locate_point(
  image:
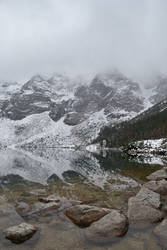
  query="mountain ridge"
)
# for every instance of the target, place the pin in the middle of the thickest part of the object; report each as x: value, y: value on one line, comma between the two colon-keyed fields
x: 81, y: 107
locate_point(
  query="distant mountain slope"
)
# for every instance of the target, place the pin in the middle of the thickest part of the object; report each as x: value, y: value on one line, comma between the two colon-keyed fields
x: 160, y: 89
x: 151, y: 124
x: 60, y: 111
x: 71, y: 111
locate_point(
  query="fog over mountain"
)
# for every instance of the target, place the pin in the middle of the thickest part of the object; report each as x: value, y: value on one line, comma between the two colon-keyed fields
x: 82, y: 37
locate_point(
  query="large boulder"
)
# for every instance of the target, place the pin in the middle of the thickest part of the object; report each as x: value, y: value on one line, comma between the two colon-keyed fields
x: 20, y: 233
x: 143, y: 208
x: 158, y: 175
x: 140, y: 214
x: 112, y: 225
x: 161, y: 231
x: 157, y: 186
x: 149, y: 198
x: 84, y: 215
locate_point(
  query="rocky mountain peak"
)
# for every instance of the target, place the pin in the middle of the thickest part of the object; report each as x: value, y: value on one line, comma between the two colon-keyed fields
x: 160, y: 89
x: 80, y: 106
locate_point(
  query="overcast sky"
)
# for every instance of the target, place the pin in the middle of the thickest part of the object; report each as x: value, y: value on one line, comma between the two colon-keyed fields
x: 82, y: 36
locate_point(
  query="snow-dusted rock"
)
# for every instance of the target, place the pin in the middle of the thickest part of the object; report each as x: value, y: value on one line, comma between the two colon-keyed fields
x: 160, y: 89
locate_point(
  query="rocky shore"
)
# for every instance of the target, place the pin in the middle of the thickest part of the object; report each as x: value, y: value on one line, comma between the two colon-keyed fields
x: 99, y: 224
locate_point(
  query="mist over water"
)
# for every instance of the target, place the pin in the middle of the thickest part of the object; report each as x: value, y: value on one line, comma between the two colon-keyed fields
x: 82, y: 37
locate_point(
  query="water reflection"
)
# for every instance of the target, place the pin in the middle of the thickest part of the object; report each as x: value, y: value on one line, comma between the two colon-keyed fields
x: 93, y: 179
x: 41, y: 166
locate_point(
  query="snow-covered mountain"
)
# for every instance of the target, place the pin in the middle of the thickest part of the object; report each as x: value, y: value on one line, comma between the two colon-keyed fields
x: 159, y: 90
x: 61, y: 111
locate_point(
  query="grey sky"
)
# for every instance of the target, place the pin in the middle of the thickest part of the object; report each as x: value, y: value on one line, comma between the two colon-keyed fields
x: 82, y: 36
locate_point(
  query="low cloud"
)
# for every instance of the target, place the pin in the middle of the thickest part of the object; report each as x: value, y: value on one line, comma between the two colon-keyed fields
x: 82, y: 37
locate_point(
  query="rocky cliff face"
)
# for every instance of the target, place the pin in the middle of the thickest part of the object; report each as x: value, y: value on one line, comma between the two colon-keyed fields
x: 71, y: 111
x: 160, y: 90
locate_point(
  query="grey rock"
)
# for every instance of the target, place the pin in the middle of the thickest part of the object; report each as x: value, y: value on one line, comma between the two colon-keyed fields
x: 61, y: 201
x: 40, y: 208
x: 109, y: 227
x: 161, y: 230
x: 20, y: 233
x: 149, y: 198
x: 9, y: 216
x: 140, y: 213
x: 158, y: 175
x: 22, y: 208
x: 22, y: 105
x: 160, y: 89
x: 73, y: 118
x: 50, y: 198
x: 157, y: 186
x: 84, y: 215
x: 56, y: 111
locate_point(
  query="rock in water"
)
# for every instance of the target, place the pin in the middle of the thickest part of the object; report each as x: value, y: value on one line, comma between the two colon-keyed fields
x: 148, y: 197
x: 141, y: 214
x: 157, y: 186
x: 20, y: 233
x: 44, y: 208
x: 143, y: 208
x: 161, y: 231
x: 9, y: 217
x: 50, y: 198
x: 110, y: 226
x: 158, y: 175
x: 84, y: 215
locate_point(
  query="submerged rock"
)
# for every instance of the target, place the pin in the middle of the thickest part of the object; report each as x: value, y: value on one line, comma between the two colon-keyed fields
x: 143, y: 208
x: 112, y: 225
x: 43, y: 208
x: 20, y: 233
x: 38, y: 192
x: 9, y: 216
x: 50, y: 198
x: 158, y: 175
x: 62, y: 202
x: 157, y: 186
x: 84, y: 215
x: 22, y: 208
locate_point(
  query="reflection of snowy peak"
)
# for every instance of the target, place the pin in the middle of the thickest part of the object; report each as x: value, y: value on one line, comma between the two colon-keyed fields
x: 61, y: 111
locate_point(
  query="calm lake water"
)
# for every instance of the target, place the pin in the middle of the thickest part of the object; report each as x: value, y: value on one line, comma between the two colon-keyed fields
x: 106, y: 181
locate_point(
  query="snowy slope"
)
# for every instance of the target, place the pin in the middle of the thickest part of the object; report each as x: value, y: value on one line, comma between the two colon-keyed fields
x: 59, y: 111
